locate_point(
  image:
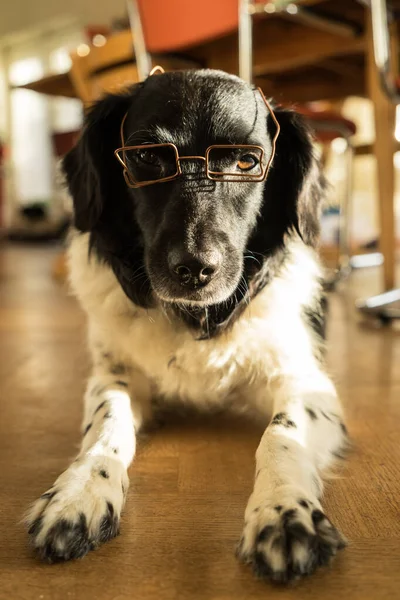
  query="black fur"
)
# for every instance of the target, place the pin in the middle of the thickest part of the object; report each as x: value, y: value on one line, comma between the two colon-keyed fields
x: 311, y: 413
x: 289, y: 514
x: 98, y: 390
x: 315, y: 317
x: 118, y: 369
x: 120, y: 382
x: 109, y: 525
x: 287, y: 534
x: 326, y: 416
x: 68, y: 540
x: 317, y: 516
x: 282, y: 419
x: 49, y: 495
x: 100, y: 406
x: 36, y: 526
x: 134, y: 231
x: 265, y: 533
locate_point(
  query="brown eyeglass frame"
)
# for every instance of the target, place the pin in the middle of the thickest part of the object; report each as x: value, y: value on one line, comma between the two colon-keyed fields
x: 212, y: 175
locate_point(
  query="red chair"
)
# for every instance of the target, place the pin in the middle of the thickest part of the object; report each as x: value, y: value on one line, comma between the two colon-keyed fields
x: 188, y: 23
x: 167, y: 26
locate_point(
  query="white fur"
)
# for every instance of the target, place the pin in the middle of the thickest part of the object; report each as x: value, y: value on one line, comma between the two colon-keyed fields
x: 268, y: 340
x: 266, y: 363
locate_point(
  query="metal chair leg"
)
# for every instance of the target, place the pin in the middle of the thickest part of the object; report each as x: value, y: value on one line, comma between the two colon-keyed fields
x: 142, y: 57
x: 384, y: 306
x: 343, y: 267
x: 344, y: 264
x: 348, y: 262
x: 246, y: 40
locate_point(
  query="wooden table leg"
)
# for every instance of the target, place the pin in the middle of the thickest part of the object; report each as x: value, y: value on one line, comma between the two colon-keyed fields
x: 384, y: 148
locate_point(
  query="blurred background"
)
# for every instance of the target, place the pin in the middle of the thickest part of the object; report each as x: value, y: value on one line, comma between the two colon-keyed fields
x: 57, y: 57
x: 313, y: 54
x: 36, y: 127
x: 335, y: 61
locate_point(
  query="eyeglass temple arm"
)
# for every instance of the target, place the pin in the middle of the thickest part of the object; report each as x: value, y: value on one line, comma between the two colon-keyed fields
x: 278, y: 127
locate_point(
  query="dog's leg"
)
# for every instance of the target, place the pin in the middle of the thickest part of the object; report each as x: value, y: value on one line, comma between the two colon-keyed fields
x: 286, y: 533
x: 83, y: 507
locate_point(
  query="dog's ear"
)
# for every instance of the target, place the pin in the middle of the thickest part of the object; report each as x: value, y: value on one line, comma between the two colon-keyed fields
x: 93, y: 174
x: 295, y: 185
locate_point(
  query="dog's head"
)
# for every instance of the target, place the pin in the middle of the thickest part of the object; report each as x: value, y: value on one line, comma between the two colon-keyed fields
x: 191, y: 240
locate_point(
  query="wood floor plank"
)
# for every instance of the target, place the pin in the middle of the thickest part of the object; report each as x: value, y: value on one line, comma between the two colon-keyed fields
x: 192, y: 475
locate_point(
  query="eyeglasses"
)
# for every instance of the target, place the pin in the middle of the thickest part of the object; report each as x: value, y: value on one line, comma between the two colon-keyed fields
x: 147, y: 164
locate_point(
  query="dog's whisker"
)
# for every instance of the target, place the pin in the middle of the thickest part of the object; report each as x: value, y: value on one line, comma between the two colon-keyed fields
x: 140, y: 268
x: 253, y: 252
x: 165, y: 310
x: 207, y: 323
x: 137, y: 278
x: 252, y: 258
x: 148, y: 294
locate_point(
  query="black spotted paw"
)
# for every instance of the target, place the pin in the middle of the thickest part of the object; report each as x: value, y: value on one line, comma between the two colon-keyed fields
x: 284, y: 541
x: 81, y: 511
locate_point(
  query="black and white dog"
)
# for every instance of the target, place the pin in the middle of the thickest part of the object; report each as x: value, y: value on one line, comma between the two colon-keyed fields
x: 204, y: 291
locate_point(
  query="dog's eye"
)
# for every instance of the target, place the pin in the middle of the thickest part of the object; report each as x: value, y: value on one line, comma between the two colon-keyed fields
x: 148, y: 157
x: 151, y: 163
x: 247, y: 162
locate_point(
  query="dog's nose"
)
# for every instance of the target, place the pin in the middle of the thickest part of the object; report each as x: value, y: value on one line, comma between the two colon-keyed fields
x: 194, y: 271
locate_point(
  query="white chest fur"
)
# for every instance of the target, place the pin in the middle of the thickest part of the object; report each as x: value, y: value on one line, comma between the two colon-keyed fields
x: 268, y: 337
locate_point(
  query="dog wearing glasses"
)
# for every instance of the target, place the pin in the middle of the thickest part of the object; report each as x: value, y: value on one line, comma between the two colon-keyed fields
x: 200, y: 280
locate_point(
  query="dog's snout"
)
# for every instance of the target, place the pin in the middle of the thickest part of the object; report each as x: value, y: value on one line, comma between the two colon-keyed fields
x: 194, y: 271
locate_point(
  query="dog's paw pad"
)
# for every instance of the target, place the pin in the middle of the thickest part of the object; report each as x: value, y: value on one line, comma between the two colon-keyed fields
x: 64, y: 540
x: 287, y: 542
x: 78, y: 514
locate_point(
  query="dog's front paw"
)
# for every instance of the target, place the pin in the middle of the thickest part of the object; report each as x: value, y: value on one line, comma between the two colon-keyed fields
x: 285, y: 538
x: 80, y: 511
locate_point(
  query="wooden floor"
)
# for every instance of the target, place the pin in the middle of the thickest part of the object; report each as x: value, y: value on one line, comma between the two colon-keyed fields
x: 191, y: 480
